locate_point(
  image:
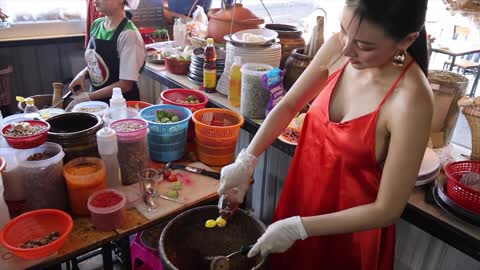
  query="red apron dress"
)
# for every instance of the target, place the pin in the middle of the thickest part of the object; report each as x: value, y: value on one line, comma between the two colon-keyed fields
x: 334, y: 168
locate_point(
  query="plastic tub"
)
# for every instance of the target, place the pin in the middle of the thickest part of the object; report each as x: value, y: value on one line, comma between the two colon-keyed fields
x: 171, y: 96
x: 216, y: 142
x: 176, y: 132
x: 26, y: 142
x: 253, y: 96
x: 84, y: 176
x: 107, y: 208
x: 43, y: 178
x: 137, y: 104
x: 132, y: 148
x: 216, y: 156
x: 107, y: 116
x: 94, y: 107
x: 50, y: 112
x: 33, y: 225
x: 217, y: 123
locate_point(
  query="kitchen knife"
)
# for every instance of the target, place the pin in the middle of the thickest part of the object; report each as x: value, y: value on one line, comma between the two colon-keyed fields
x: 170, y: 199
x: 196, y: 170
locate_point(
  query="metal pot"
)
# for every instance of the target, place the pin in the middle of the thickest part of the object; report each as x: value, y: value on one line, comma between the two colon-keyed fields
x: 76, y: 133
x: 185, y: 242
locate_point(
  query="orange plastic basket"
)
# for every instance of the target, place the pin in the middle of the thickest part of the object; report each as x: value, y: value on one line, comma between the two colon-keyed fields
x: 217, y: 123
x: 465, y: 196
x: 216, y: 142
x: 35, y: 225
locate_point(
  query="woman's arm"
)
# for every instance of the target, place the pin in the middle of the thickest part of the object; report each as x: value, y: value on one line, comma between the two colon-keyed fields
x: 409, y: 122
x: 306, y: 88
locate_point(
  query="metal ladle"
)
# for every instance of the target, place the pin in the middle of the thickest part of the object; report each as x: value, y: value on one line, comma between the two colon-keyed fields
x: 223, y: 262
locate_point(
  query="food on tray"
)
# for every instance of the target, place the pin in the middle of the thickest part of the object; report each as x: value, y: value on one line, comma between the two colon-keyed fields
x: 166, y: 117
x: 42, y: 241
x: 249, y: 37
x: 23, y: 129
x: 471, y: 179
x: 189, y: 100
x: 291, y: 134
x: 40, y: 156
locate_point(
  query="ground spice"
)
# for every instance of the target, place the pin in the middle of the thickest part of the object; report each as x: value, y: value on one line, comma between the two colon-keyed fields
x: 106, y: 199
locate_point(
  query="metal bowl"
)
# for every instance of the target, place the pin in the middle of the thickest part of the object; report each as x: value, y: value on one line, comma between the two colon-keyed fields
x: 185, y: 242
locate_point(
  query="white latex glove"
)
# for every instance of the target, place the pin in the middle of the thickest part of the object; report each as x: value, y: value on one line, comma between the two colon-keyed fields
x: 79, y: 98
x: 279, y: 236
x: 235, y: 178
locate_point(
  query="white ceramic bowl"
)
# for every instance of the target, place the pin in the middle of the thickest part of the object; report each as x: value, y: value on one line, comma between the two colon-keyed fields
x: 267, y: 35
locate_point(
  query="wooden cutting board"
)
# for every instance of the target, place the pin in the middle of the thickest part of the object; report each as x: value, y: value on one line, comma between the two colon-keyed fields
x: 195, y: 188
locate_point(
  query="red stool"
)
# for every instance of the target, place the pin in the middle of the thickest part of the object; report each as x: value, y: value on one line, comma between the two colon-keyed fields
x: 139, y: 253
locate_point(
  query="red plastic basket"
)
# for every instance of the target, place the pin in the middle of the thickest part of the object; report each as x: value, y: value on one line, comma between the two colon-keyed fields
x: 26, y: 142
x: 171, y: 96
x: 33, y: 225
x: 178, y: 67
x: 138, y: 105
x: 465, y: 196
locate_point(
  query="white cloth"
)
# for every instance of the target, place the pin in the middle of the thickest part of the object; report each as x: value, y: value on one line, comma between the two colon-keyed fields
x: 235, y: 178
x: 279, y: 236
x: 133, y: 4
x: 131, y: 51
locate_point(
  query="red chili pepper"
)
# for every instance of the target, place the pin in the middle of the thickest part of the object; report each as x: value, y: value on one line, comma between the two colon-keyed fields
x: 106, y: 199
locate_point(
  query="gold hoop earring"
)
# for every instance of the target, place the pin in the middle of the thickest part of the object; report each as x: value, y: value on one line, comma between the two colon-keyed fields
x: 399, y: 59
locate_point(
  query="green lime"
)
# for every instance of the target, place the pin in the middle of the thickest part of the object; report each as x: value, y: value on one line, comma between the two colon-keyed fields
x: 190, y: 98
x: 165, y: 120
x: 175, y: 118
x: 169, y: 115
x: 172, y: 194
x: 160, y: 114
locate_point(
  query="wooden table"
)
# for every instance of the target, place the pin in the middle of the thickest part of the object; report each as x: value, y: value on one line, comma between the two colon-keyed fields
x: 456, y: 48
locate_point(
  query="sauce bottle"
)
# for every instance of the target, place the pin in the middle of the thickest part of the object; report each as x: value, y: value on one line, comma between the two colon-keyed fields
x: 235, y: 82
x: 210, y: 68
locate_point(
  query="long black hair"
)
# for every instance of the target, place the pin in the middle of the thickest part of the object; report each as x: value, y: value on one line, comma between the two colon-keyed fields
x: 398, y: 18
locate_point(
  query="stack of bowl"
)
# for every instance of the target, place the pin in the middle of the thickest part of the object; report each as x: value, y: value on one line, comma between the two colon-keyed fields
x: 217, y: 133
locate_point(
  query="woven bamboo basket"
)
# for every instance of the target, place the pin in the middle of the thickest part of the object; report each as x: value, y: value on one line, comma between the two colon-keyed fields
x: 473, y: 118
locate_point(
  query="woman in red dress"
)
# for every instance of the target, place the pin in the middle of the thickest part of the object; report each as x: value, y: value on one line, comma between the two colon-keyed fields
x: 360, y: 147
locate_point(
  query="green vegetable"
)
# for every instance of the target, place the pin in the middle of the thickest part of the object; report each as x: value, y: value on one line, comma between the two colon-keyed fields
x: 260, y: 69
x: 190, y: 98
x: 176, y: 185
x: 169, y: 115
x: 175, y: 118
x: 160, y: 114
x: 173, y: 194
x: 165, y: 120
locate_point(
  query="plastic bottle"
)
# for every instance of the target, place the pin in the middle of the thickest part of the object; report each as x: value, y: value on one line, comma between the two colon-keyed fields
x: 4, y: 214
x: 31, y: 111
x: 210, y: 68
x: 118, y: 105
x: 108, y: 150
x: 235, y: 82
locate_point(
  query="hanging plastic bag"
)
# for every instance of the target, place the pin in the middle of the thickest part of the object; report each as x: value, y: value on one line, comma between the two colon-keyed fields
x: 198, y: 27
x: 272, y: 81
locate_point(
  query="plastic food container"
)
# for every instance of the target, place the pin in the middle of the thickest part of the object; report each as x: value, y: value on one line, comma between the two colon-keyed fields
x: 107, y: 207
x: 34, y: 225
x: 107, y: 117
x: 95, y: 107
x: 84, y: 176
x: 26, y: 142
x: 253, y: 96
x: 138, y: 105
x: 132, y: 148
x: 42, y: 179
x: 49, y: 112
